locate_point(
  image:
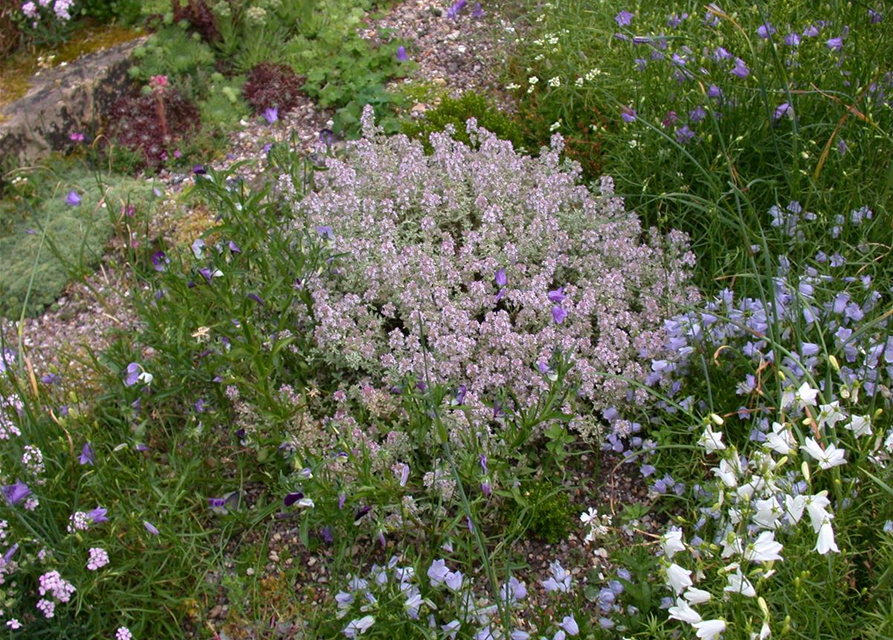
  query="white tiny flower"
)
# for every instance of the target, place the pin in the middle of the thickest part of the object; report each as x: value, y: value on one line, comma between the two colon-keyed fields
x: 859, y: 425
x: 696, y: 596
x: 678, y: 579
x: 738, y: 583
x: 711, y: 440
x: 816, y: 507
x: 709, y: 629
x: 683, y: 612
x: 555, y: 82
x: 671, y: 542
x: 764, y: 548
x: 830, y: 457
x: 806, y: 395
x: 726, y: 473
x: 830, y: 414
x: 589, y: 515
x: 825, y: 542
x: 781, y: 440
x: 794, y: 507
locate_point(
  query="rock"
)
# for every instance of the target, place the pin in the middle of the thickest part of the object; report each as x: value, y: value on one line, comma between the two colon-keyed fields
x: 65, y: 100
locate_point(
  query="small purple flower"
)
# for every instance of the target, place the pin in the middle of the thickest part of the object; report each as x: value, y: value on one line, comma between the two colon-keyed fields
x: 342, y: 498
x: 624, y: 19
x: 792, y: 39
x: 88, y: 455
x: 842, y: 147
x: 811, y: 31
x: 740, y: 69
x: 670, y: 119
x: 326, y: 137
x: 362, y: 511
x: 557, y: 296
x: 98, y: 515
x: 714, y: 92
x: 132, y: 375
x: 697, y: 114
x: 292, y: 498
x: 783, y: 110
x: 721, y: 53
x: 765, y: 30
x: 486, y: 489
x: 326, y: 232
x: 453, y: 12
x: 207, y: 273
x: 217, y: 505
x: 151, y: 528
x: 835, y: 44
x: 199, y: 406
x: 73, y: 198
x: 271, y: 115
x: 401, y: 54
x: 875, y: 16
x: 483, y: 461
x: 15, y: 493
x: 199, y: 170
x: 256, y: 298
x: 501, y: 278
x: 628, y: 114
x: 570, y: 625
x: 558, y: 314
x: 234, y: 247
x: 50, y: 378
x: 460, y: 394
x: 477, y: 12
x: 160, y: 260
x: 675, y: 20
x: 76, y: 137
x: 684, y: 135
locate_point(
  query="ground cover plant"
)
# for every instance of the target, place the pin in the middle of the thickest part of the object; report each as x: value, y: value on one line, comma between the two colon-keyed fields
x: 448, y: 385
x: 55, y: 222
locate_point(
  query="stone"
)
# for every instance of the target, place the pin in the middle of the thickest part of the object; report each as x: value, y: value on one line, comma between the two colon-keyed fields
x: 65, y: 100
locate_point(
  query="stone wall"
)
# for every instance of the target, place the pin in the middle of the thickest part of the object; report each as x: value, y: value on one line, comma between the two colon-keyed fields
x: 62, y: 101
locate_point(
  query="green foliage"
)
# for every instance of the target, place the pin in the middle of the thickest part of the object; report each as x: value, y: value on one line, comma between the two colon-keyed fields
x: 455, y: 112
x: 44, y: 241
x: 550, y: 510
x: 224, y: 105
x: 123, y: 11
x: 172, y: 52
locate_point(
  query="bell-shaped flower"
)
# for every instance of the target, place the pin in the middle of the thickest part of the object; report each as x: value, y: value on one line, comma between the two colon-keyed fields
x: 764, y: 548
x: 678, y: 579
x: 738, y: 583
x: 825, y: 542
x: 830, y: 456
x: 696, y: 596
x: 671, y: 543
x: 683, y: 612
x: 709, y: 629
x: 711, y: 440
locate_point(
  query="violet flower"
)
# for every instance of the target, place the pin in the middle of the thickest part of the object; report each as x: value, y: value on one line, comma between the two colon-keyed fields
x: 792, y: 39
x: 558, y: 314
x: 501, y: 278
x: 783, y: 110
x: 628, y: 114
x: 477, y: 11
x: 199, y: 170
x: 401, y: 54
x: 765, y: 30
x: 234, y: 247
x: 740, y: 69
x: 326, y: 232
x: 684, y: 135
x: 160, y: 260
x: 151, y: 528
x: 271, y: 115
x: 98, y: 515
x: 835, y: 44
x: 73, y: 198
x: 15, y: 493
x: 557, y: 296
x: 624, y: 19
x: 460, y: 394
x: 88, y: 455
x: 453, y: 12
x: 132, y: 375
x: 292, y: 498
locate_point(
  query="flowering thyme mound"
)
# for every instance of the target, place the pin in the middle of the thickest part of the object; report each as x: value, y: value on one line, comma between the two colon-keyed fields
x: 493, y: 260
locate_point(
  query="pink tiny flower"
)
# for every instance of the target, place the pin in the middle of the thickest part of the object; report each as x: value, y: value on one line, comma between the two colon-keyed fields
x: 77, y: 137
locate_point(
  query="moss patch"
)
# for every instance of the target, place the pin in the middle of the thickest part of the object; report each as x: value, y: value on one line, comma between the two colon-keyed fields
x: 43, y: 236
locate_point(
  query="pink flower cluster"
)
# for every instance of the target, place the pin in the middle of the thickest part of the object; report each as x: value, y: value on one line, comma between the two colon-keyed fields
x: 476, y: 266
x: 52, y: 584
x: 98, y: 559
